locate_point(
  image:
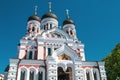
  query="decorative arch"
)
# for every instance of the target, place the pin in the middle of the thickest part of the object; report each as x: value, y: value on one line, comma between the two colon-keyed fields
x: 96, y: 74
x: 63, y: 66
x: 32, y: 74
x: 31, y: 52
x: 65, y: 50
x: 56, y: 30
x: 41, y: 74
x: 70, y: 65
x: 23, y: 73
x: 88, y: 74
x: 65, y: 73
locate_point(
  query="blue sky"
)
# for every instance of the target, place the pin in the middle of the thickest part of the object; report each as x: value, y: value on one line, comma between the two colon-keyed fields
x: 97, y: 24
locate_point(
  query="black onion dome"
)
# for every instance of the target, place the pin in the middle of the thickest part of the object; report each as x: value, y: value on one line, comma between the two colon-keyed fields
x: 68, y: 21
x: 34, y: 17
x: 49, y: 15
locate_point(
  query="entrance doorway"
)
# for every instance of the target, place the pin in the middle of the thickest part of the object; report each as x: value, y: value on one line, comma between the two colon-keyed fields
x: 64, y: 75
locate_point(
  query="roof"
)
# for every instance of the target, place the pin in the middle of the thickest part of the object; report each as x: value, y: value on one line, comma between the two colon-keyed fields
x: 34, y: 17
x: 49, y: 15
x: 68, y: 21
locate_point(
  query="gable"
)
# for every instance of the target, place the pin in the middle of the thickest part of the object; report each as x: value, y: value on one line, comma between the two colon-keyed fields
x: 65, y: 52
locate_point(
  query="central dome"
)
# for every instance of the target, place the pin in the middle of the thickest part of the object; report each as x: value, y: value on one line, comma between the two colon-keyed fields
x: 49, y: 15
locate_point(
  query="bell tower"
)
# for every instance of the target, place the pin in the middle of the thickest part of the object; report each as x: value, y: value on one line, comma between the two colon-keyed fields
x: 28, y: 44
x: 33, y: 26
x: 69, y: 26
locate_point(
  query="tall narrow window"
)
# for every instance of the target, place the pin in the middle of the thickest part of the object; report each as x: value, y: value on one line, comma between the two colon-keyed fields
x: 30, y: 55
x: 71, y: 32
x: 33, y: 29
x: 22, y: 75
x: 88, y: 75
x: 50, y: 26
x: 44, y: 27
x: 31, y: 75
x: 28, y: 29
x: 67, y: 32
x: 49, y: 51
x: 40, y: 75
x: 95, y: 76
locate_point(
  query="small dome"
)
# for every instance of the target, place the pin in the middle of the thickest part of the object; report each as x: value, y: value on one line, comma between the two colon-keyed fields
x: 34, y: 17
x: 68, y: 21
x: 49, y: 15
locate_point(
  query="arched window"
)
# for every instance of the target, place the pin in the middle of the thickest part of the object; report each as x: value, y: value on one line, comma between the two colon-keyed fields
x: 44, y: 27
x: 33, y: 29
x: 88, y: 76
x: 28, y: 29
x: 64, y: 75
x: 30, y: 55
x: 50, y: 26
x: 31, y: 75
x: 49, y: 51
x: 67, y: 32
x: 71, y: 32
x: 40, y: 75
x: 22, y: 75
x: 96, y: 74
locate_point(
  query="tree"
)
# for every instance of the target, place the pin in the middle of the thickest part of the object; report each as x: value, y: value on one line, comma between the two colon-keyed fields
x: 112, y: 63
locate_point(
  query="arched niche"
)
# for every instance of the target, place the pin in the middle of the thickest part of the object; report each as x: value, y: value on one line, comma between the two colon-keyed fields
x: 32, y: 74
x: 96, y: 74
x: 41, y: 74
x: 23, y: 74
x: 65, y: 75
x: 88, y: 74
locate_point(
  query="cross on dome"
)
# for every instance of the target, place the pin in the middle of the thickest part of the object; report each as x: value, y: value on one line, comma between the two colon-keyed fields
x: 35, y: 13
x: 67, y: 14
x: 49, y: 3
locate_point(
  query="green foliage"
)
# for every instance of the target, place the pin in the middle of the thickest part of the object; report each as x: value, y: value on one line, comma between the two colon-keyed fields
x: 112, y: 63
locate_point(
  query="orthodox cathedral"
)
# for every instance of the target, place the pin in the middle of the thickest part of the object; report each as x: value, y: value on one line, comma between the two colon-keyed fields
x: 47, y: 52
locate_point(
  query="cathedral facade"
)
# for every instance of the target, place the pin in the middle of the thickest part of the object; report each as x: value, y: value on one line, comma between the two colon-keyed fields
x: 47, y: 52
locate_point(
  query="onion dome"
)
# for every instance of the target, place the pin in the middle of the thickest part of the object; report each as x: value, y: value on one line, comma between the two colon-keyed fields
x: 49, y: 14
x: 34, y: 17
x: 68, y: 20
